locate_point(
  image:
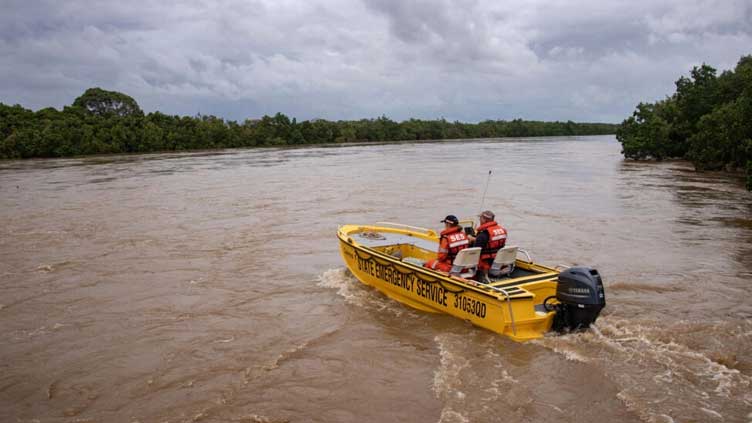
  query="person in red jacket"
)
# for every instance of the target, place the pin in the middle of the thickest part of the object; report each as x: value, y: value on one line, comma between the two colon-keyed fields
x: 452, y: 240
x: 490, y: 237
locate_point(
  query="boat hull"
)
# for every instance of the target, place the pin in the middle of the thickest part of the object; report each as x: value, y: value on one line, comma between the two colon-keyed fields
x: 511, y: 312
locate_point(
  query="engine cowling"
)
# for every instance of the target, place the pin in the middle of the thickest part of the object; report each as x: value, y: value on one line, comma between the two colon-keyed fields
x: 581, y: 298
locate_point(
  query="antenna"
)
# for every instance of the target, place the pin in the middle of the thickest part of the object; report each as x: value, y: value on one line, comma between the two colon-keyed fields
x: 483, y: 200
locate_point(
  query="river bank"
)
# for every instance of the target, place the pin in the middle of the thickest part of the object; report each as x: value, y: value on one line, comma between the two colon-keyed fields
x: 107, y: 122
x: 706, y: 121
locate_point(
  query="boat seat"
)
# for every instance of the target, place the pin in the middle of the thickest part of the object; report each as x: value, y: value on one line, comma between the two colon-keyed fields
x: 414, y: 260
x: 465, y: 265
x: 503, y: 264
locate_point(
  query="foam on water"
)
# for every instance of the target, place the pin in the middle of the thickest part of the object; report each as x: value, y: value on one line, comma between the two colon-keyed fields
x: 712, y: 413
x: 473, y: 379
x: 339, y: 279
x: 676, y: 357
x: 446, y: 378
x: 45, y: 268
x: 356, y: 293
x: 649, y: 363
x: 255, y: 371
x: 255, y: 418
x: 451, y: 416
x: 562, y: 345
x: 52, y: 267
x: 284, y: 355
x: 451, y: 365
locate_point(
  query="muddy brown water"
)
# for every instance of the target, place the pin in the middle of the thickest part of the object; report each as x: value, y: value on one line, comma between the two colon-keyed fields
x: 207, y: 287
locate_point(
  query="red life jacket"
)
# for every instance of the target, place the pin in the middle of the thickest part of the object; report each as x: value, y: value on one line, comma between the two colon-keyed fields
x: 456, y: 241
x: 497, y: 237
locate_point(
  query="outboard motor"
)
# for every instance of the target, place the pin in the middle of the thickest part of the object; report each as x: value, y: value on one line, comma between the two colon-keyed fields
x: 581, y: 299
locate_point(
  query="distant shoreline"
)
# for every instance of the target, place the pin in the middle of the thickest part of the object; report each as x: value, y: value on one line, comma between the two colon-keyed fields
x: 108, y: 122
x: 298, y: 146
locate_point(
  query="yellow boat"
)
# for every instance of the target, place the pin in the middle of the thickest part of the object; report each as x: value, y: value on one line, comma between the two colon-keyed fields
x: 524, y: 304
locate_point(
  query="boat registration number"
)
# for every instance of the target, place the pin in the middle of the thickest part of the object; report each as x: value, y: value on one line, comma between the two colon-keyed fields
x: 470, y: 305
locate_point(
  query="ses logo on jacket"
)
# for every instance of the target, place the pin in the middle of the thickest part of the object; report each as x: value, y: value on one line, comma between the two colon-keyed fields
x: 457, y: 239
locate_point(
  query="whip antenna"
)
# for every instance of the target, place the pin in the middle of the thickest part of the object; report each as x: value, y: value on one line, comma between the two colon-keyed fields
x: 483, y: 199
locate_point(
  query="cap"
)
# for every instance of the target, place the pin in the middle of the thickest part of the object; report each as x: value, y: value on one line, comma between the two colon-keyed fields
x: 488, y: 214
x: 451, y: 219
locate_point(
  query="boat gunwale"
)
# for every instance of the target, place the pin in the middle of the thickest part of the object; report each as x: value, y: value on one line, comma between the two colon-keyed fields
x: 460, y: 283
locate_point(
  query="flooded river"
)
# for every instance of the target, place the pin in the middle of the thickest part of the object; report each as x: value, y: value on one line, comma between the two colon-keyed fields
x: 208, y: 287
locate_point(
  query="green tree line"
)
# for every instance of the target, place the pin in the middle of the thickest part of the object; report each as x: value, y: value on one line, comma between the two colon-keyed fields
x: 102, y: 122
x: 708, y: 120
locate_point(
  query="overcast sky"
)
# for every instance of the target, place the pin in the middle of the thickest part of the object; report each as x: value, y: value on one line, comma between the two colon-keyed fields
x: 461, y: 60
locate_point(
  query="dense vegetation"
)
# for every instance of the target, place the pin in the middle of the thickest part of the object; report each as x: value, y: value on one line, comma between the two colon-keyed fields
x: 101, y: 122
x: 707, y: 121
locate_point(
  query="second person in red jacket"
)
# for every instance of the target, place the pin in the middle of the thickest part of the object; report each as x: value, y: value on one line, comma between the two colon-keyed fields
x: 490, y: 237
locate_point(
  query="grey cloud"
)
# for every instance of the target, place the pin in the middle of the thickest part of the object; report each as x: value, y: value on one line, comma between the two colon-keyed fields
x: 415, y: 21
x: 467, y: 60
